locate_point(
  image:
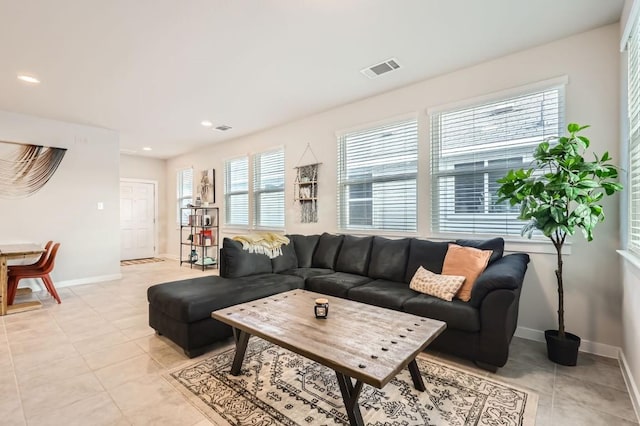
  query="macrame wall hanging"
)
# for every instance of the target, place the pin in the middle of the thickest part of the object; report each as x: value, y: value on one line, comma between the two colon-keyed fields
x: 306, y: 187
x: 24, y: 169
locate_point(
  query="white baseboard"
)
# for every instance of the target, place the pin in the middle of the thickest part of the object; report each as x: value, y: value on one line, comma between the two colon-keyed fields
x: 169, y: 256
x: 634, y: 393
x: 36, y: 285
x: 89, y: 280
x: 587, y: 346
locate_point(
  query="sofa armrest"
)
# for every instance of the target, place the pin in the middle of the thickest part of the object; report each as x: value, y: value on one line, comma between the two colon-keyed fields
x: 506, y: 273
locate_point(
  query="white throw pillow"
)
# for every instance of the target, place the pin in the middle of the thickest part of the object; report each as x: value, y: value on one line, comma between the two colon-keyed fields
x: 441, y: 286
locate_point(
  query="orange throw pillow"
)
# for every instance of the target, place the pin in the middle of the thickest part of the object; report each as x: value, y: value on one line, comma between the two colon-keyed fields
x: 466, y: 261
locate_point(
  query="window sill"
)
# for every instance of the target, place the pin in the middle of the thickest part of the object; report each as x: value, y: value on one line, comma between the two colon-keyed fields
x: 512, y: 244
x: 244, y: 231
x: 376, y: 232
x: 234, y: 230
x: 630, y: 257
x: 535, y: 246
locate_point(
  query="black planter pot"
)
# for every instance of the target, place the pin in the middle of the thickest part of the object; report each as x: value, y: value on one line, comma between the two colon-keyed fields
x: 562, y: 351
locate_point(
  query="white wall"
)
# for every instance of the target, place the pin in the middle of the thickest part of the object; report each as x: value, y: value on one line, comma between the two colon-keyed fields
x: 590, y: 60
x: 65, y: 209
x: 150, y: 169
x: 630, y: 263
x: 631, y: 328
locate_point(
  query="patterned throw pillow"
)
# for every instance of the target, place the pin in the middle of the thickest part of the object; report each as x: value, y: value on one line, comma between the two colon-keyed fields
x: 466, y: 261
x: 441, y: 286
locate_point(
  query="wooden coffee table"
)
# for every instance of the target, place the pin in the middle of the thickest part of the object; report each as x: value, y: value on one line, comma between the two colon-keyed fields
x: 358, y: 341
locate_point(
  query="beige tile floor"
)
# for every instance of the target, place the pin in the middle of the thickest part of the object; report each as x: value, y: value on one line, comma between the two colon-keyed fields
x: 93, y: 360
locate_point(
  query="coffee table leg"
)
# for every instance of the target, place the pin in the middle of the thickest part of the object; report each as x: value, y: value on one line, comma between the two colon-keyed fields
x: 415, y: 376
x: 350, y: 395
x: 242, y: 339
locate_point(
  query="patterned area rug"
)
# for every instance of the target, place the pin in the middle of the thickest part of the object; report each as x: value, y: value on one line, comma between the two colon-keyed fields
x: 278, y: 387
x: 140, y: 261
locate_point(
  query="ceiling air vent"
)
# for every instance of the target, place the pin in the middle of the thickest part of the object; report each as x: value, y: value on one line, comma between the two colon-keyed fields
x: 381, y: 68
x: 223, y: 128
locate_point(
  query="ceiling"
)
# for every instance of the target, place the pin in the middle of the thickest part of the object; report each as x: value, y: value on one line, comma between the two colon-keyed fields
x: 154, y: 69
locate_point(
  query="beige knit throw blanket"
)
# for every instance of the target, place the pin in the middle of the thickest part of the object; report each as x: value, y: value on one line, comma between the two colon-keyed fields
x: 263, y: 243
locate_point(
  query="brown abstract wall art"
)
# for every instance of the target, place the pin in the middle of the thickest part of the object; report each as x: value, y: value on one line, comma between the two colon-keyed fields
x: 24, y: 169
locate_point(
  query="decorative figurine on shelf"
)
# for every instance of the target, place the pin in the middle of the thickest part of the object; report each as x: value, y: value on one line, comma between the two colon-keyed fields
x: 321, y: 308
x: 194, y: 256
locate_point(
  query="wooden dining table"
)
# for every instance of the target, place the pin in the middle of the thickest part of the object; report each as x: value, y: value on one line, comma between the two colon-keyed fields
x: 12, y: 252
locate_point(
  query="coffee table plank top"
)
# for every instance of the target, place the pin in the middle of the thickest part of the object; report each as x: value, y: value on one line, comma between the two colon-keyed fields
x: 365, y: 342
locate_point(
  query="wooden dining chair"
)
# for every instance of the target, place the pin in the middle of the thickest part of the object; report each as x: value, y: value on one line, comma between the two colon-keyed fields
x: 42, y: 272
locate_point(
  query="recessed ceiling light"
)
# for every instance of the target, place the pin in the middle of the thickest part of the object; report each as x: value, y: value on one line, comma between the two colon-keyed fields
x: 206, y: 123
x: 146, y: 148
x: 28, y: 79
x: 223, y: 128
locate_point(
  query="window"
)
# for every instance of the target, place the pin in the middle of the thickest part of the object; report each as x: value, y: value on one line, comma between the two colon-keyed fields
x: 633, y: 87
x: 236, y: 191
x: 377, y: 171
x: 265, y: 208
x: 268, y: 190
x: 184, y: 186
x: 474, y: 146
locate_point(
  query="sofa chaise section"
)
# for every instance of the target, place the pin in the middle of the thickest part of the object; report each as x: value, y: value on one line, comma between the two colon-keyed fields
x: 181, y: 310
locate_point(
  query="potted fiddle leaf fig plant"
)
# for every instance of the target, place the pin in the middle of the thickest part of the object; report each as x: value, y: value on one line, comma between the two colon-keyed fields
x: 560, y: 194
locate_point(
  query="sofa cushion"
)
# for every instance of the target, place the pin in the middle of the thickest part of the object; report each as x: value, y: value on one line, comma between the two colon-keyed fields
x: 336, y: 284
x: 458, y: 315
x: 287, y: 260
x: 383, y: 293
x: 428, y: 254
x: 241, y: 263
x: 305, y: 246
x: 494, y: 244
x: 354, y: 255
x: 466, y: 261
x: 305, y: 273
x: 441, y: 286
x: 194, y: 299
x: 327, y: 251
x: 389, y: 259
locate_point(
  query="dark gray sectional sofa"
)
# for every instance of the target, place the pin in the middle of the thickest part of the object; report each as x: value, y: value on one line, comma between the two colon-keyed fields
x: 372, y: 270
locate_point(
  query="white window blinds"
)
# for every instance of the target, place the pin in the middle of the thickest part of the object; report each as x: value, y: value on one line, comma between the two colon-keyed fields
x: 184, y: 186
x: 236, y: 191
x: 377, y: 171
x: 472, y: 147
x: 268, y: 190
x: 633, y: 84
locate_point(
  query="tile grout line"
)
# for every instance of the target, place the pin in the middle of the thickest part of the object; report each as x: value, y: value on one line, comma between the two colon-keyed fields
x: 84, y: 360
x: 93, y: 372
x: 13, y: 369
x: 601, y: 385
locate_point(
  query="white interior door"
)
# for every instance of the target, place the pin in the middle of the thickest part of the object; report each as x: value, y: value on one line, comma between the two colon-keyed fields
x: 137, y: 220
